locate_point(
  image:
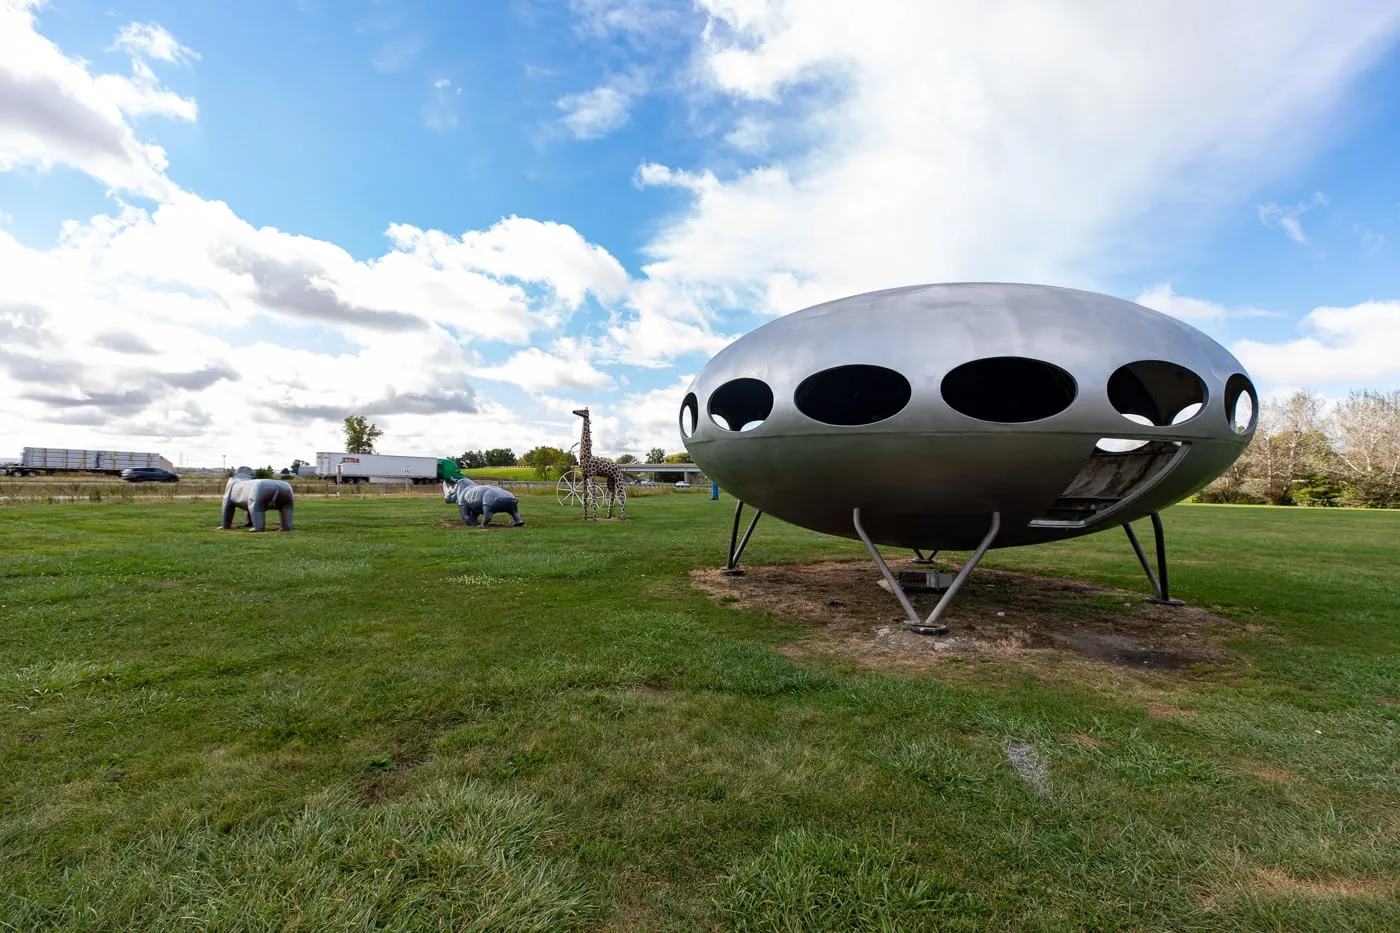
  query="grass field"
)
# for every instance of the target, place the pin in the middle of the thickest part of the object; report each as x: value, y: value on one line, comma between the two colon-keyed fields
x: 382, y: 722
x: 521, y: 474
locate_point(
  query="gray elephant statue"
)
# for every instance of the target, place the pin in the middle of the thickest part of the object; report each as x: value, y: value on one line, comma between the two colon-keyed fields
x: 475, y: 501
x: 256, y: 496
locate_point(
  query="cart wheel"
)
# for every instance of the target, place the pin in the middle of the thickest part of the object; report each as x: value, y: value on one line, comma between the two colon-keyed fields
x: 598, y: 494
x: 570, y: 489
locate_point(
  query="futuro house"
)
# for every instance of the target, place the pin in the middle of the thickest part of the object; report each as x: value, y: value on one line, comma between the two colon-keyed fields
x: 966, y: 416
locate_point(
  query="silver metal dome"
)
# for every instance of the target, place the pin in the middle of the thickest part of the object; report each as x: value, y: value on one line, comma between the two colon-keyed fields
x: 929, y: 408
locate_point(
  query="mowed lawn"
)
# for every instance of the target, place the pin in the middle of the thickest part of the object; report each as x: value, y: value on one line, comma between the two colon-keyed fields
x: 379, y: 722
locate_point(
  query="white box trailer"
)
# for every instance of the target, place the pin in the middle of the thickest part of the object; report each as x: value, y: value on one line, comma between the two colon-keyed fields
x: 36, y: 460
x: 376, y: 468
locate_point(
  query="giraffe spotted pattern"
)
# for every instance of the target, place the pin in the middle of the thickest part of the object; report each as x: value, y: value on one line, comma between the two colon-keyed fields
x: 590, y: 466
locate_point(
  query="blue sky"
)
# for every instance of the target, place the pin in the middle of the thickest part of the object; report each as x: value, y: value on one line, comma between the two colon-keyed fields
x: 677, y: 173
x: 312, y: 120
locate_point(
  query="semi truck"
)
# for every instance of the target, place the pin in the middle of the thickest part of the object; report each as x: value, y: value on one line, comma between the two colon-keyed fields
x: 36, y: 460
x: 385, y: 468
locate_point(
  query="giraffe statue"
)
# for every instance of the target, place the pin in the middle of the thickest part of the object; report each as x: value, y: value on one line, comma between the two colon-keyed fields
x: 590, y: 466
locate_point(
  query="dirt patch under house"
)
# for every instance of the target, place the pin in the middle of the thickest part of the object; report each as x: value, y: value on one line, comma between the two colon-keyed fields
x: 997, y: 613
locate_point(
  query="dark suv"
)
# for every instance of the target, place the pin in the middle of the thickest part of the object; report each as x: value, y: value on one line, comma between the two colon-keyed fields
x: 149, y: 475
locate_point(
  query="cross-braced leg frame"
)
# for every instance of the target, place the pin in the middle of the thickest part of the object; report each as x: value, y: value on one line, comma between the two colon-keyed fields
x: 736, y: 546
x: 1161, y: 592
x: 930, y: 625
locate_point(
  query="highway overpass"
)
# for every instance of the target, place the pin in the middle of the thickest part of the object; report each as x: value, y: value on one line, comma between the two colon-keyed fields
x: 687, y: 468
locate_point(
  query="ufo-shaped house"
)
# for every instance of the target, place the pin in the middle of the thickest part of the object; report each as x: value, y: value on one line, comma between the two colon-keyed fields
x: 933, y: 409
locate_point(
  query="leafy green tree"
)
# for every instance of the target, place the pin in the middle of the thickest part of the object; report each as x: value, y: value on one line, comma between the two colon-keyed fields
x: 264, y: 472
x: 1318, y: 489
x: 668, y: 476
x: 296, y: 466
x: 548, y: 462
x: 626, y: 458
x: 471, y: 460
x: 656, y: 455
x: 360, y: 435
x: 500, y: 457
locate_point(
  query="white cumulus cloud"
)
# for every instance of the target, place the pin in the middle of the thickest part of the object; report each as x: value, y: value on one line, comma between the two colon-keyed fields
x: 535, y: 370
x: 1023, y: 141
x: 1195, y: 310
x: 53, y: 111
x: 1345, y: 347
x: 598, y: 111
x: 521, y: 248
x: 151, y: 40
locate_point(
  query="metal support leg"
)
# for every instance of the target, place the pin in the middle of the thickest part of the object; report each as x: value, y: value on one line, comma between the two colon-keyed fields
x: 930, y: 625
x: 1165, y: 593
x: 1142, y: 559
x: 736, y: 551
x: 1158, y: 580
x: 895, y: 588
x: 919, y: 557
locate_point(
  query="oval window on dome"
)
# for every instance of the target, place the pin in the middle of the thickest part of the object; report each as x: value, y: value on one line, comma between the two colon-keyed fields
x: 853, y: 395
x: 1123, y: 445
x: 1163, y: 393
x: 741, y: 404
x: 1120, y: 445
x: 1009, y: 389
x: 1241, y: 404
x: 690, y: 415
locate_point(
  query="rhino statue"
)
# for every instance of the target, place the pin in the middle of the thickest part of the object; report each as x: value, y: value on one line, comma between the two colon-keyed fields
x: 256, y: 496
x: 475, y: 501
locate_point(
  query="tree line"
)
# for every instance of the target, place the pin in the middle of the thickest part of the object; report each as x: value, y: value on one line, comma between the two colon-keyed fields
x: 551, y: 462
x: 1304, y: 454
x: 495, y: 457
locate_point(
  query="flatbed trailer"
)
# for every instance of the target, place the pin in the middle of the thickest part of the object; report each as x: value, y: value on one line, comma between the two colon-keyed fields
x: 49, y: 460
